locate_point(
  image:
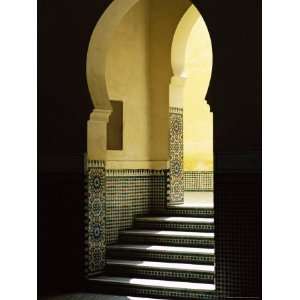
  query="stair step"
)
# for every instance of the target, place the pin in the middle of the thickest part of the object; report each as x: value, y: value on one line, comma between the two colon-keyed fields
x: 160, y: 270
x: 169, y: 233
x: 162, y: 253
x: 154, y: 287
x: 191, y: 205
x: 203, y: 212
x: 139, y: 298
x: 136, y: 298
x: 166, y: 237
x: 161, y: 265
x: 176, y: 219
x: 159, y: 248
x: 165, y: 284
x: 175, y: 223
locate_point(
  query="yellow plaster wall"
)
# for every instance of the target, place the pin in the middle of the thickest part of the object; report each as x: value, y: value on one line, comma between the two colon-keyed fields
x: 164, y: 18
x: 138, y: 73
x: 127, y: 75
x: 197, y: 119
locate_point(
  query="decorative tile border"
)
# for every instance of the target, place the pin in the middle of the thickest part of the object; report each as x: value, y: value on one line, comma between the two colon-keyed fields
x: 176, y: 110
x: 95, y: 217
x: 134, y: 172
x: 168, y: 241
x: 175, y: 226
x: 163, y: 256
x: 130, y: 193
x: 113, y: 199
x: 198, y: 181
x: 184, y: 211
x: 176, y: 155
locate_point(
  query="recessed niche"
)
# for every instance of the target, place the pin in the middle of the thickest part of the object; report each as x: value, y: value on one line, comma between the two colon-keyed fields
x: 115, y: 127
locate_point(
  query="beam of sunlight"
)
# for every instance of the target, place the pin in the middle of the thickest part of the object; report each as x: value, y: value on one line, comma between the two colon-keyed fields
x: 138, y: 298
x: 178, y: 266
x: 180, y: 249
x: 184, y: 233
x: 171, y: 284
x: 189, y: 219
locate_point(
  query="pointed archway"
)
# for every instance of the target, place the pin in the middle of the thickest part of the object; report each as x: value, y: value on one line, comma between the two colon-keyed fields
x: 182, y: 71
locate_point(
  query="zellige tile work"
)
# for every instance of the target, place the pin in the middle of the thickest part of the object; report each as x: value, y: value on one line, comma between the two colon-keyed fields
x: 176, y: 155
x: 95, y: 216
x: 130, y: 193
x: 198, y: 181
x: 143, y: 256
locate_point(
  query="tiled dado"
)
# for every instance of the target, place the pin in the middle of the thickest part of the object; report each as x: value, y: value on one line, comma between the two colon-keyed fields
x: 95, y: 216
x: 198, y: 181
x: 176, y: 155
x: 130, y: 193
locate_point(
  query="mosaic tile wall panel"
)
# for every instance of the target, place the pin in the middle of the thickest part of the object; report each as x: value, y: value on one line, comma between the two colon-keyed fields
x: 130, y: 193
x: 200, y: 181
x: 176, y: 155
x: 95, y: 217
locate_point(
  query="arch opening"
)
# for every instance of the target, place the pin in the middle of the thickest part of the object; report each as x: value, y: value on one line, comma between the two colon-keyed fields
x: 135, y: 48
x: 192, y: 60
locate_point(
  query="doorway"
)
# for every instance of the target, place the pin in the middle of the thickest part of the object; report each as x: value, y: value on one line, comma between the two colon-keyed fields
x: 191, y: 121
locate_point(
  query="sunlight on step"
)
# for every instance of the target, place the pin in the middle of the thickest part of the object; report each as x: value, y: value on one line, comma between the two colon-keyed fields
x: 183, y: 249
x: 177, y: 266
x: 171, y: 284
x: 183, y: 233
x: 189, y: 219
x: 138, y: 298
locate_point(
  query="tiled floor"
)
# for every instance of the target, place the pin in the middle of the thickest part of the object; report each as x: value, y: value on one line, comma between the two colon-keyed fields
x: 198, y: 199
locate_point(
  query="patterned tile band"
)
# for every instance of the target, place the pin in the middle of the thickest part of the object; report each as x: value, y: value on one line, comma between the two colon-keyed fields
x: 176, y: 155
x: 130, y: 193
x: 95, y: 217
x: 198, y: 181
x: 134, y: 172
x: 176, y: 110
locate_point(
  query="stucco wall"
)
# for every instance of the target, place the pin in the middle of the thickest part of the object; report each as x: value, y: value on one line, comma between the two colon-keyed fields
x: 197, y: 118
x: 127, y: 75
x: 138, y: 73
x: 165, y: 16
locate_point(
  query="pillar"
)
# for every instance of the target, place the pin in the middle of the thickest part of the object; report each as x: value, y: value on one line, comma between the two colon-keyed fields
x: 176, y: 180
x: 96, y: 188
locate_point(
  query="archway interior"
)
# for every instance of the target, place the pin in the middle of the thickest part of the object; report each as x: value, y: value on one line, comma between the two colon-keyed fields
x: 135, y: 49
x: 192, y: 60
x: 134, y: 69
x: 129, y: 66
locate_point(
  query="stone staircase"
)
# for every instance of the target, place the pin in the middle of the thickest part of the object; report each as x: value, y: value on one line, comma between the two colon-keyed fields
x: 169, y: 254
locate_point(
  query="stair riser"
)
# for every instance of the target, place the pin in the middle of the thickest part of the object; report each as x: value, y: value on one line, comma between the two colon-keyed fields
x: 162, y: 256
x: 204, y: 277
x: 119, y: 289
x: 173, y: 241
x: 186, y: 212
x: 175, y: 226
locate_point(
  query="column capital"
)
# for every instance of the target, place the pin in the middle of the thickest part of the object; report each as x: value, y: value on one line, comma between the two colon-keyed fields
x: 97, y: 134
x: 100, y: 115
x: 178, y: 81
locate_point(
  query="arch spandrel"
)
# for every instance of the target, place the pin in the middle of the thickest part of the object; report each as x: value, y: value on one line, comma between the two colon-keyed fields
x: 98, y: 50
